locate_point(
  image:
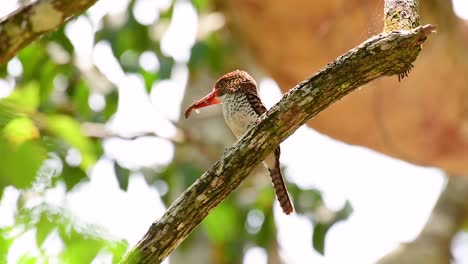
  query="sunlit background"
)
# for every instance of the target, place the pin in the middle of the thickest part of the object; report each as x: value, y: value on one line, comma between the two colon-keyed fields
x: 386, y: 210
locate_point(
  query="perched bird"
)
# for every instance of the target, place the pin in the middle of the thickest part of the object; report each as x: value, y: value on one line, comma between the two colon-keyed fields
x: 242, y: 106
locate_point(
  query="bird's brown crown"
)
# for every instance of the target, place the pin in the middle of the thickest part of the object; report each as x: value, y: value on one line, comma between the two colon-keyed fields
x: 235, y: 82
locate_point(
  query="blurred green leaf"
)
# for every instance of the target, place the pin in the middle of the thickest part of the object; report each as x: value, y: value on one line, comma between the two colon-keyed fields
x: 80, y: 97
x: 48, y: 73
x: 213, y: 52
x: 318, y: 237
x: 5, y: 243
x: 178, y: 175
x: 72, y: 176
x: 20, y: 129
x: 81, y: 250
x: 83, y: 244
x: 111, y: 104
x: 118, y: 250
x: 198, y: 55
x: 132, y: 37
x: 26, y: 98
x: 58, y: 36
x: 221, y: 224
x: 19, y: 164
x: 308, y: 201
x: 265, y: 198
x: 149, y: 78
x: 321, y: 228
x: 27, y: 259
x: 3, y: 70
x: 32, y: 57
x: 165, y: 66
x: 200, y: 5
x: 44, y: 227
x: 167, y: 14
x: 7, y: 112
x: 69, y: 129
x: 267, y: 231
x: 345, y: 211
x: 55, y: 145
x: 122, y: 175
x: 464, y: 226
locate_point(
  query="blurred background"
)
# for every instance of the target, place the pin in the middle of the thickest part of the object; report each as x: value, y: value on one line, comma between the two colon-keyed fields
x: 93, y: 146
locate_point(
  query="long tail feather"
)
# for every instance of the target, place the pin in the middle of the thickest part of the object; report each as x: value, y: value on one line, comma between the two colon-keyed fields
x: 277, y: 179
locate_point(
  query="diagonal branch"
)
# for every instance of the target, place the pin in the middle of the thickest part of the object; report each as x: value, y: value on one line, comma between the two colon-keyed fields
x: 382, y: 55
x: 29, y: 22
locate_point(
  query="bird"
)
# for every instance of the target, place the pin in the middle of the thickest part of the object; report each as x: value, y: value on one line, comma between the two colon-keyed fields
x: 241, y: 106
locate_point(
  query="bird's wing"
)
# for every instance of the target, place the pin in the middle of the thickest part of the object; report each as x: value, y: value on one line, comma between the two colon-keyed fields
x: 256, y: 103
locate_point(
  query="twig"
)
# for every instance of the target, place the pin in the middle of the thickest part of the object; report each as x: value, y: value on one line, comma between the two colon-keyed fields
x: 99, y: 130
x: 181, y: 137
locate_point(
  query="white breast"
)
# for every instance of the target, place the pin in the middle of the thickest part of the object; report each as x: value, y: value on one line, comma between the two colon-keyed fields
x: 238, y: 114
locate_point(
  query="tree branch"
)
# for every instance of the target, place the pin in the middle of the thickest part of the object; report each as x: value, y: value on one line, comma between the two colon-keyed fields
x: 432, y: 246
x: 382, y: 55
x: 29, y: 22
x: 401, y: 14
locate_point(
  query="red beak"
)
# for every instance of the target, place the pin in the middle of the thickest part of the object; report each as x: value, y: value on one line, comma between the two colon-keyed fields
x: 209, y: 99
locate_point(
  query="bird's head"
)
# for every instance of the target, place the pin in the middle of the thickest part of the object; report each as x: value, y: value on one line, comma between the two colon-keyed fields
x: 231, y: 83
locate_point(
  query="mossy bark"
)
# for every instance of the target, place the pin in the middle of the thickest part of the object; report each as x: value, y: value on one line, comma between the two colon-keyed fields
x: 31, y: 21
x: 401, y: 14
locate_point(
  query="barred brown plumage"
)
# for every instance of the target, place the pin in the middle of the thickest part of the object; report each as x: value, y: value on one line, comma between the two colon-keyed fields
x: 280, y: 187
x: 241, y: 108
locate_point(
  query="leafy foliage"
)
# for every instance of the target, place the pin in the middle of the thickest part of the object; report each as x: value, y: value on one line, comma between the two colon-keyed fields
x: 81, y: 243
x: 122, y: 175
x: 321, y: 227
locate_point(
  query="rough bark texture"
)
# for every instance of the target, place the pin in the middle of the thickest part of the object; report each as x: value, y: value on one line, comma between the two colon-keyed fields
x: 29, y: 22
x: 433, y: 244
x: 422, y: 120
x: 385, y: 54
x: 401, y: 14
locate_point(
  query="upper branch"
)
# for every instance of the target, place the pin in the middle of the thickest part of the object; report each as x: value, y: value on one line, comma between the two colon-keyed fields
x: 401, y: 14
x: 385, y: 54
x: 29, y: 22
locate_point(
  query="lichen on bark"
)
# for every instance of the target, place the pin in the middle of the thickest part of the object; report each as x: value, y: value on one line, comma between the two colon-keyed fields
x: 401, y: 14
x: 29, y: 22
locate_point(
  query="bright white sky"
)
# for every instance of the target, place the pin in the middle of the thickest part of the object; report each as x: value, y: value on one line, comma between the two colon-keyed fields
x: 381, y: 189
